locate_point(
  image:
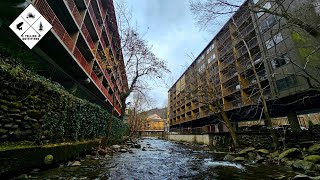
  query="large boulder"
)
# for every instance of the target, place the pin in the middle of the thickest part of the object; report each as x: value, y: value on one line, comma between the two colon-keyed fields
x: 313, y: 158
x: 246, y: 151
x: 239, y: 159
x: 275, y: 154
x: 314, y: 149
x: 263, y: 151
x: 303, y: 165
x: 305, y: 177
x: 290, y: 153
x: 229, y: 157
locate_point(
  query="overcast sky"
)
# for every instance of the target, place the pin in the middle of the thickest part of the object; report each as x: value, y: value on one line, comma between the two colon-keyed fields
x: 173, y: 33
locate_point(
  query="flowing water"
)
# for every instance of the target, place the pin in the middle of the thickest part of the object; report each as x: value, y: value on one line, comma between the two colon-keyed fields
x: 163, y: 160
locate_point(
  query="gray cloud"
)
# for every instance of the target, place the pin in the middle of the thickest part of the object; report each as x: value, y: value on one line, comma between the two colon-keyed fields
x: 172, y: 32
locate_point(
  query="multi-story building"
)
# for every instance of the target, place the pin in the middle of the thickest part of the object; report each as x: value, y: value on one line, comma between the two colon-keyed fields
x: 85, y: 43
x: 275, y: 53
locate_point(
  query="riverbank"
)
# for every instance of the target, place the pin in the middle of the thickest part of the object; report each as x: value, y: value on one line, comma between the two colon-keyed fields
x: 303, y: 161
x: 159, y: 159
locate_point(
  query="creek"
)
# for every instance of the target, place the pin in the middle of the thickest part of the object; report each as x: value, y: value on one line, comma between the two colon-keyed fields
x: 163, y: 160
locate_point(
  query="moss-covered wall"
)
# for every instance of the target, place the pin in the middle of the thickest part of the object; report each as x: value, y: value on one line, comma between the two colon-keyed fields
x: 19, y: 160
x: 36, y: 109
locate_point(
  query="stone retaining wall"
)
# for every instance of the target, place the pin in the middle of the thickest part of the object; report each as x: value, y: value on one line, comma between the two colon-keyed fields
x: 36, y: 109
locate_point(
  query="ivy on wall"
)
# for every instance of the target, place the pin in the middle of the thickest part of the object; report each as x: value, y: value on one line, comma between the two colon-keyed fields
x: 55, y: 114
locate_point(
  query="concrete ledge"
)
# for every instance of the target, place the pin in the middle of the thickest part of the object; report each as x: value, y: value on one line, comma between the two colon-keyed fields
x: 191, y: 138
x: 17, y: 161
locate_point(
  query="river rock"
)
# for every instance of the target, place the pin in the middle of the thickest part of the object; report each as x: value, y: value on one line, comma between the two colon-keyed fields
x: 23, y: 176
x: 305, y: 177
x: 48, y: 159
x: 4, y: 107
x: 101, y: 152
x: 288, y: 163
x: 138, y: 146
x: 245, y: 151
x: 144, y: 149
x: 290, y: 153
x: 314, y: 149
x: 252, y: 156
x: 275, y: 154
x: 116, y: 146
x: 239, y: 159
x: 263, y: 151
x: 313, y: 158
x: 229, y: 157
x: 279, y: 177
x: 303, y: 165
x: 3, y: 131
x: 123, y: 150
x: 259, y: 159
x: 74, y: 163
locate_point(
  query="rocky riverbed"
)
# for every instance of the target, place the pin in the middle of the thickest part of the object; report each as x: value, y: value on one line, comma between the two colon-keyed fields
x: 152, y: 158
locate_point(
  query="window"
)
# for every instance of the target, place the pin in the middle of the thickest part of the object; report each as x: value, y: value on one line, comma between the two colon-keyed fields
x: 276, y: 39
x: 286, y: 83
x: 268, y: 23
x: 267, y: 5
x: 255, y: 1
x: 210, y: 49
x: 202, y: 67
x: 280, y: 61
x: 211, y: 58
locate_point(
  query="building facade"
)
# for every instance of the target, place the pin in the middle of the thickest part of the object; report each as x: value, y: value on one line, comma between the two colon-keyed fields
x: 85, y: 43
x: 225, y: 65
x: 155, y: 123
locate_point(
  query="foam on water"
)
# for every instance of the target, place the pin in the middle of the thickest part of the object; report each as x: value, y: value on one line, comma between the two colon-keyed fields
x: 209, y: 162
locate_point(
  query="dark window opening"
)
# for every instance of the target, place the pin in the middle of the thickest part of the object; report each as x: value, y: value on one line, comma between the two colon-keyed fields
x: 286, y: 83
x: 280, y: 61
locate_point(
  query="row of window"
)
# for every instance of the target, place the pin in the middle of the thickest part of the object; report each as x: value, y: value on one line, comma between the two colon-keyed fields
x: 210, y: 48
x: 276, y: 39
x: 211, y: 58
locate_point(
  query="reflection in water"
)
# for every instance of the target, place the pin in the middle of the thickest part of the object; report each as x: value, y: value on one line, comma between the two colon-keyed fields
x: 163, y: 160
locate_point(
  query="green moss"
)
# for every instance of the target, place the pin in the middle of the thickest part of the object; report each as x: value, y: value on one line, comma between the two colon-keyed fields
x: 48, y: 159
x: 306, y: 48
x: 296, y: 36
x: 16, y: 145
x: 65, y: 116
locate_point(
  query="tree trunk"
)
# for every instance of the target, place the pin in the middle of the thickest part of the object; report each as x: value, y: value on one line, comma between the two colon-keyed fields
x: 264, y: 103
x: 294, y: 122
x: 230, y: 127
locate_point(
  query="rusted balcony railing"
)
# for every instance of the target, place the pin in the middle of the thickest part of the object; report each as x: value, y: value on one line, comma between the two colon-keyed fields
x: 44, y: 8
x: 74, y: 11
x: 94, y: 19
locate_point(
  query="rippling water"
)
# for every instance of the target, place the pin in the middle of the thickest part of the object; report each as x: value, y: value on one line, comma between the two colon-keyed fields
x: 163, y: 160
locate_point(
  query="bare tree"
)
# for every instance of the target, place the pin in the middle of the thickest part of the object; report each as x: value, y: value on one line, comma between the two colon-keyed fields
x: 142, y: 66
x: 203, y: 90
x: 209, y: 11
x: 135, y: 113
x: 266, y: 113
x: 300, y: 17
x: 134, y: 54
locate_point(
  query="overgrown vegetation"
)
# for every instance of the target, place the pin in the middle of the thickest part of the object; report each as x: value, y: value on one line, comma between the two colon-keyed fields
x: 61, y: 115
